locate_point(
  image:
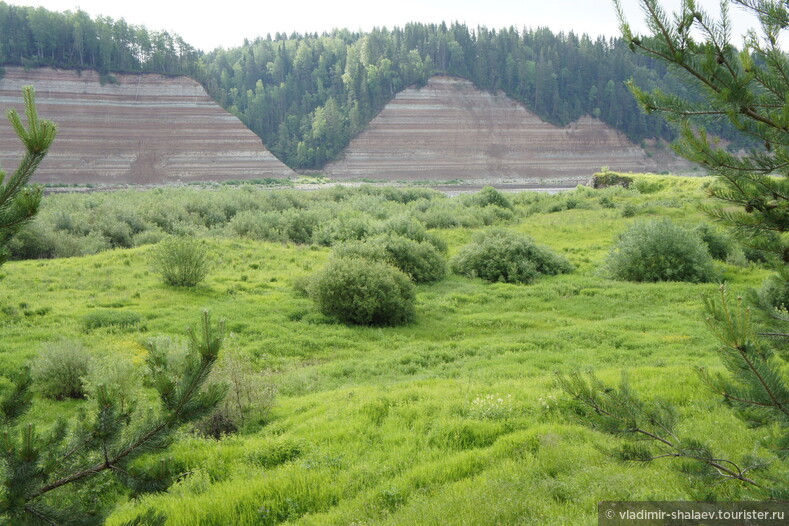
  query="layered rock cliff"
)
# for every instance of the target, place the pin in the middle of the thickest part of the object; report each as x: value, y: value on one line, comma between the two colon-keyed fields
x: 144, y: 129
x: 449, y: 129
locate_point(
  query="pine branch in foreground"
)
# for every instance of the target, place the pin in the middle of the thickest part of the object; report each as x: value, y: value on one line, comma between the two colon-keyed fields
x: 18, y: 202
x: 749, y: 89
x: 755, y: 386
x: 650, y: 430
x: 39, y: 466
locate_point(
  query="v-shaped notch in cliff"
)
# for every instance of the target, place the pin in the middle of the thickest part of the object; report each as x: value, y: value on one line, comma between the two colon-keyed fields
x: 449, y: 130
x: 141, y: 129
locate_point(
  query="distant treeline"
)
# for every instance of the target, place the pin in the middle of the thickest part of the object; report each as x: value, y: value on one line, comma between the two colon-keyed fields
x: 34, y: 36
x: 306, y: 96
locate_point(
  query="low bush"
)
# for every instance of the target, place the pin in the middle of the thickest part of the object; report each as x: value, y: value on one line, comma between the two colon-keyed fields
x: 301, y: 285
x: 774, y: 292
x: 629, y: 210
x: 490, y: 196
x: 648, y: 185
x: 149, y: 237
x: 363, y: 292
x: 299, y: 225
x: 32, y: 242
x: 607, y: 202
x: 474, y: 217
x: 412, y: 228
x: 348, y: 225
x: 121, y: 379
x: 117, y: 233
x: 754, y: 255
x: 568, y: 202
x: 440, y: 218
x: 375, y: 206
x: 718, y: 244
x: 120, y: 319
x: 660, y: 250
x: 182, y: 262
x: 60, y: 369
x: 203, y: 211
x: 371, y: 249
x: 420, y: 260
x: 62, y: 221
x: 754, y: 248
x: 266, y: 226
x: 499, y: 255
x: 249, y: 399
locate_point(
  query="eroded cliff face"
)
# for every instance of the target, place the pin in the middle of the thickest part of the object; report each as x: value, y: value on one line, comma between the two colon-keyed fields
x: 147, y: 129
x: 451, y: 130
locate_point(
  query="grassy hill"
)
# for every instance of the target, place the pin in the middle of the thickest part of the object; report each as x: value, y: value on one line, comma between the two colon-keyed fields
x: 452, y: 419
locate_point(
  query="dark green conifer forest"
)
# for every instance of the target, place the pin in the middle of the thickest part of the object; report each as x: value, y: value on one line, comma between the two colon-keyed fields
x: 307, y: 95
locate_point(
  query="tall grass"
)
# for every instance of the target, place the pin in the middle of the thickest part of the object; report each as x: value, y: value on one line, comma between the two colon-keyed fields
x: 398, y: 425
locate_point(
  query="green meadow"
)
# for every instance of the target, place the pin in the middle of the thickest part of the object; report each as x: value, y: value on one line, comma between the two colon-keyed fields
x: 452, y: 419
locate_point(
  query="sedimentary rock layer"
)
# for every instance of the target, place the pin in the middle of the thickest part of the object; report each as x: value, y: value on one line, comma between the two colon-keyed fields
x: 146, y: 129
x: 451, y: 130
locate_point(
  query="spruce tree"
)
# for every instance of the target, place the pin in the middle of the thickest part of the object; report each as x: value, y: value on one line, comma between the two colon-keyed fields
x: 18, y: 202
x: 749, y: 89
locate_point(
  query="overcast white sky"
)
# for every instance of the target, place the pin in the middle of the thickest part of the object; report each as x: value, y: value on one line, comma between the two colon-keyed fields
x: 210, y: 24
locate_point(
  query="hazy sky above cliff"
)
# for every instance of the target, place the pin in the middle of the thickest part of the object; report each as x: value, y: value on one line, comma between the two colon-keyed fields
x: 207, y: 25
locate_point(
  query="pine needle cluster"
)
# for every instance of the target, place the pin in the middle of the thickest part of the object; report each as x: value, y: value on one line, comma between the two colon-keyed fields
x: 19, y: 203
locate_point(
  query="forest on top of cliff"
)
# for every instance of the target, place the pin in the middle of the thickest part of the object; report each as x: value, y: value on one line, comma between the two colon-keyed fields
x: 307, y: 95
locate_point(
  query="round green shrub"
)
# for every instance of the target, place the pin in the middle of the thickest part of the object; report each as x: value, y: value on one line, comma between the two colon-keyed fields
x: 490, y: 196
x: 774, y: 292
x: 363, y: 292
x: 60, y: 369
x: 117, y: 233
x: 718, y: 244
x: 629, y: 210
x: 32, y: 242
x: 182, y: 261
x: 659, y: 250
x: 410, y: 227
x: 299, y: 225
x: 499, y: 255
x: 419, y: 260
